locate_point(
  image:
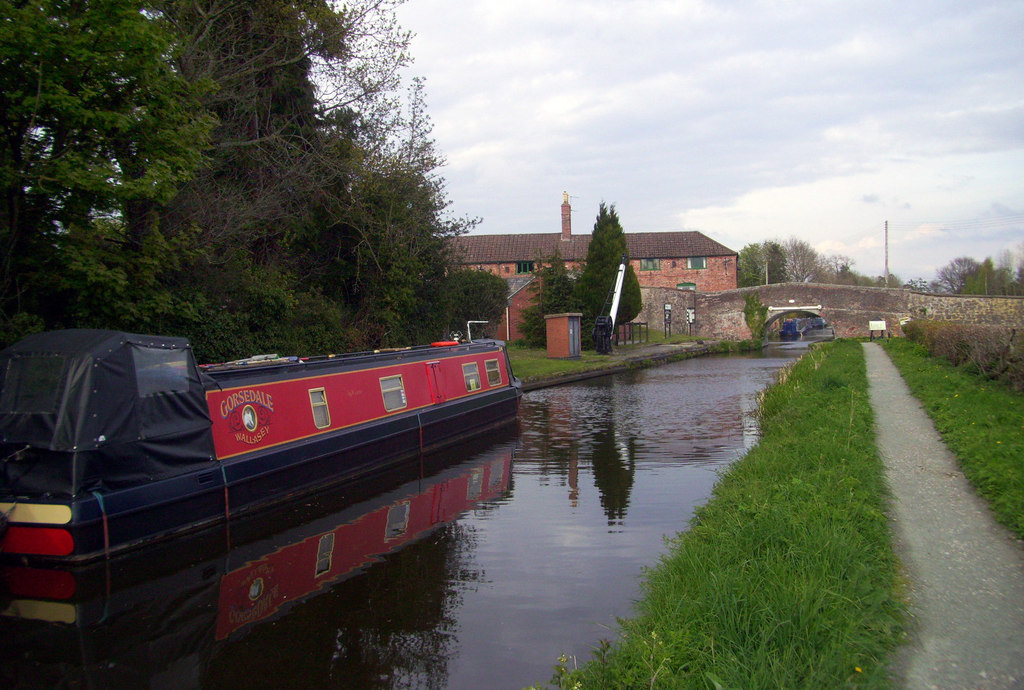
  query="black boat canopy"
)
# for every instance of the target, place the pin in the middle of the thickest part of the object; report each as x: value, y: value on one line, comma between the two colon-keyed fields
x: 104, y: 409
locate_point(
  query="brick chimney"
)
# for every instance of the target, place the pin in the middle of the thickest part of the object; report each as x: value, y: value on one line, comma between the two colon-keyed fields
x: 566, y: 218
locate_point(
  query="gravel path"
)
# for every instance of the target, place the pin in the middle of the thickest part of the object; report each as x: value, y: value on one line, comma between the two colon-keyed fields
x: 965, y: 571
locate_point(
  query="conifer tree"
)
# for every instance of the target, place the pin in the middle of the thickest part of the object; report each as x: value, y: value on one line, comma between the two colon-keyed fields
x: 607, y: 245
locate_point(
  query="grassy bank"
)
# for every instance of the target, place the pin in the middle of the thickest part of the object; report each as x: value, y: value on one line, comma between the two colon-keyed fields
x: 787, y: 578
x: 982, y: 423
x: 532, y: 364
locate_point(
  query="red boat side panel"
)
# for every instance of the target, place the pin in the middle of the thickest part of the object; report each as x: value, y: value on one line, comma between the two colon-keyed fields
x: 258, y: 416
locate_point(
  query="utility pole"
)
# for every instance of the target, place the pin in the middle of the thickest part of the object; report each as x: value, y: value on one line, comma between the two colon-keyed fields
x: 886, y: 238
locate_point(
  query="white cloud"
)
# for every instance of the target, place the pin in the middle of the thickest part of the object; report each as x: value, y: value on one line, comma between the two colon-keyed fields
x: 747, y: 120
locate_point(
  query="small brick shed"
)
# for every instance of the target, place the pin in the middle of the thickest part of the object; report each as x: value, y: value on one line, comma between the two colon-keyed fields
x: 563, y: 334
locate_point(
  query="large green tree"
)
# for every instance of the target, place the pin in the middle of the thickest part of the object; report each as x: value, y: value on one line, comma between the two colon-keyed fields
x: 316, y: 170
x: 604, y: 255
x: 271, y: 150
x: 243, y: 173
x: 97, y: 127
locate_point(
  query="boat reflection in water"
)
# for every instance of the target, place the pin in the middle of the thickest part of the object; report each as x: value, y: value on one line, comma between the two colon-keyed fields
x: 158, y: 617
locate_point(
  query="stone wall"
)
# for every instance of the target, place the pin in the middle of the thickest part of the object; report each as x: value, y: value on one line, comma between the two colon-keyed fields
x: 848, y: 309
x: 653, y: 311
x: 970, y: 309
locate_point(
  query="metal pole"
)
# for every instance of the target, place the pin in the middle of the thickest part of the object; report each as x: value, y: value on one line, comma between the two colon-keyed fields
x: 469, y: 336
x: 886, y: 253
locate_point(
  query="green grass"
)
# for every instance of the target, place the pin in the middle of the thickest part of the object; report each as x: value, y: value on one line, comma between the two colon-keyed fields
x: 981, y: 422
x: 532, y: 364
x: 787, y: 578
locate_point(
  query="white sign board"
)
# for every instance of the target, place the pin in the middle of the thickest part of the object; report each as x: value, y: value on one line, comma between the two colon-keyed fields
x: 876, y: 326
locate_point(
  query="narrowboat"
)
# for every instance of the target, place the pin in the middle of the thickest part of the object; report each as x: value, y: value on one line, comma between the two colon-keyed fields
x: 113, y: 440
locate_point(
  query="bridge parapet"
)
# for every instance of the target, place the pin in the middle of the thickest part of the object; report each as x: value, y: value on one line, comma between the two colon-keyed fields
x: 849, y: 308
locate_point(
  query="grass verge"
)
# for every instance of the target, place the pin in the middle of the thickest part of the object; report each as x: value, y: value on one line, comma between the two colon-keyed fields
x: 532, y: 364
x: 982, y: 423
x: 787, y: 577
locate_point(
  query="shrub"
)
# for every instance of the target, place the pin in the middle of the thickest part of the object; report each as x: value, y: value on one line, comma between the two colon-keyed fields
x: 992, y: 352
x: 756, y: 314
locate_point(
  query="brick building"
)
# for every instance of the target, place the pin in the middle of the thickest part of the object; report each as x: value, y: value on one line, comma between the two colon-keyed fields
x: 683, y: 260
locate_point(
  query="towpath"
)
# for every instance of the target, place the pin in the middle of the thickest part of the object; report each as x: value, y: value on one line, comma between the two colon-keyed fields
x: 965, y: 571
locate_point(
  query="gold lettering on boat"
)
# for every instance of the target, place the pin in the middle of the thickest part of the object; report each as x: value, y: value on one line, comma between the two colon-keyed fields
x: 248, y: 412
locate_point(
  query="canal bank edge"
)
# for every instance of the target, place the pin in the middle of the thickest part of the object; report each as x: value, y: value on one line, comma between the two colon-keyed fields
x: 636, y: 357
x: 787, y: 576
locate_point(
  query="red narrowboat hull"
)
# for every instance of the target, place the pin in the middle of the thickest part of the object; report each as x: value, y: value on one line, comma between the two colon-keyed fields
x: 253, y: 434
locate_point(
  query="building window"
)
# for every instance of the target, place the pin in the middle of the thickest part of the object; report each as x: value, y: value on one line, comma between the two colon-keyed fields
x: 393, y: 391
x: 524, y: 267
x: 321, y: 413
x: 472, y: 376
x: 650, y: 264
x: 697, y: 262
x: 493, y: 372
x: 686, y: 286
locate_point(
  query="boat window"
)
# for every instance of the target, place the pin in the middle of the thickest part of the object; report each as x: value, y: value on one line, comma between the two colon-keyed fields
x: 324, y: 554
x: 393, y: 390
x: 398, y: 520
x: 493, y: 372
x: 321, y: 413
x: 475, y: 484
x: 32, y: 385
x: 471, y: 373
x: 159, y: 370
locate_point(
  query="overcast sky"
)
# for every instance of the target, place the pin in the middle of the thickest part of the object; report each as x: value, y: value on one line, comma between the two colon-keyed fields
x: 745, y: 120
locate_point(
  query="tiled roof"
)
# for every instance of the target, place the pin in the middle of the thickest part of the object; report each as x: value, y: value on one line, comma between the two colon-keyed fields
x: 490, y: 249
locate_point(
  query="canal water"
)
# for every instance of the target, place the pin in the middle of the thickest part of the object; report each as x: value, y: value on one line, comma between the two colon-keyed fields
x: 473, y: 568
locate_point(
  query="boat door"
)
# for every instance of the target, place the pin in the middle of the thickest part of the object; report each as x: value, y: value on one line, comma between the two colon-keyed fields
x: 434, y: 381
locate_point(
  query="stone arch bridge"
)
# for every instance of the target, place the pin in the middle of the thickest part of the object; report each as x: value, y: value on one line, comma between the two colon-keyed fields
x: 848, y: 309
